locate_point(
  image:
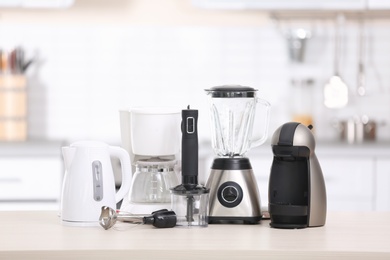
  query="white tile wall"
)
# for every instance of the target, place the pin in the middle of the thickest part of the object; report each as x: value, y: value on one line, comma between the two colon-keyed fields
x: 86, y: 73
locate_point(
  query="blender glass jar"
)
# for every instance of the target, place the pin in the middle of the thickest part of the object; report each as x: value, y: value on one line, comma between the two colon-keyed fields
x: 233, y: 110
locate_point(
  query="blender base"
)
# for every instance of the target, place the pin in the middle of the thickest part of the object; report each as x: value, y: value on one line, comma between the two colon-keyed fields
x: 235, y: 220
x: 234, y: 195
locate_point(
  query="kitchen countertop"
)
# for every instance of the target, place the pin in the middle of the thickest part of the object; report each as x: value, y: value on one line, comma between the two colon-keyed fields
x: 40, y: 235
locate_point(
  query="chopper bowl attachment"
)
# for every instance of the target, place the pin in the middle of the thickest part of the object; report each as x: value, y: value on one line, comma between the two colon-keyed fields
x: 190, y: 202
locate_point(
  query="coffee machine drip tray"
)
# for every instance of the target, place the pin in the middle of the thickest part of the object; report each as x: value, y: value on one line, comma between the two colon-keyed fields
x: 288, y: 216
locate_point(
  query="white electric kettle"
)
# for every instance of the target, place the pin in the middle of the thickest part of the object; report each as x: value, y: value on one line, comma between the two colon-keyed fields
x: 89, y: 181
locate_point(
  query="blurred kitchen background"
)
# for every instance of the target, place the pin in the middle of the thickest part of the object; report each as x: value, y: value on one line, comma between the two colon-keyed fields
x: 86, y: 59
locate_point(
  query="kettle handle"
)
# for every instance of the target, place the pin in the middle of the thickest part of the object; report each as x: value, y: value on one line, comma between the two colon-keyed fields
x: 266, y: 106
x: 124, y: 158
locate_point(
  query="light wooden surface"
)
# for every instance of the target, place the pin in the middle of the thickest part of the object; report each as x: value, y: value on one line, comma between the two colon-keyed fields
x: 40, y: 235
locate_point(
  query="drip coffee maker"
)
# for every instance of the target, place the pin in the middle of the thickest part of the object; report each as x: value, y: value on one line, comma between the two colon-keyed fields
x: 152, y: 137
x: 234, y: 195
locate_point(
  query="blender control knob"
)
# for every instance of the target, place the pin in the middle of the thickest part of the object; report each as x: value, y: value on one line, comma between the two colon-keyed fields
x: 230, y: 194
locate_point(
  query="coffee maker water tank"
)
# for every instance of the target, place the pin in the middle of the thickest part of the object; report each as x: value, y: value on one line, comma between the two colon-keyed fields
x: 297, y: 193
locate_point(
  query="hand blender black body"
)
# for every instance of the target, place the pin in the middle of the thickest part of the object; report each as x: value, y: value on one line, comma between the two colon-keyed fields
x: 190, y: 199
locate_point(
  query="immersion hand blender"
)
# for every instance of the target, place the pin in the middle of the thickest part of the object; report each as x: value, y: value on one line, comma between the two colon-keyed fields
x: 190, y: 199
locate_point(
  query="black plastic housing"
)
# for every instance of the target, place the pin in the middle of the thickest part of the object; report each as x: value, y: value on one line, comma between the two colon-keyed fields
x: 288, y: 191
x: 189, y: 146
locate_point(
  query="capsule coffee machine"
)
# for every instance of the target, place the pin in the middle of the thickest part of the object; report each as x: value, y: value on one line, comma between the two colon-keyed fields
x: 296, y: 194
x: 234, y: 195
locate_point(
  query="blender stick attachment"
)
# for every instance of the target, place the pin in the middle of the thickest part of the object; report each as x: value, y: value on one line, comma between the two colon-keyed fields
x: 161, y: 218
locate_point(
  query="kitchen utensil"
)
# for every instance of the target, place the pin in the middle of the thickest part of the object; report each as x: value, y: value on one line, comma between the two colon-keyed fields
x: 302, y: 100
x: 361, y: 80
x: 152, y: 137
x: 336, y: 91
x: 296, y: 41
x: 89, y: 181
x: 189, y: 199
x: 297, y: 193
x: 357, y: 129
x: 161, y: 219
x: 14, y: 61
x: 234, y: 194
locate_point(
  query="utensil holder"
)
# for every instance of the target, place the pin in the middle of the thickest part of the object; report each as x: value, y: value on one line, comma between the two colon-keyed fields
x: 13, y: 107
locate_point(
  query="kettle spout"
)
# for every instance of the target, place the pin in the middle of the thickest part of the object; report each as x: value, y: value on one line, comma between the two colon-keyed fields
x: 68, y: 154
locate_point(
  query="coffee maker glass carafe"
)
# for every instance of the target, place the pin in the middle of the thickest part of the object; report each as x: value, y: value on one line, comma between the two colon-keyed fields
x: 233, y: 110
x: 152, y: 181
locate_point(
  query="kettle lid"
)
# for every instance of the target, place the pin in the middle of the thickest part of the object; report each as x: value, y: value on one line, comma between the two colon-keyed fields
x: 232, y: 91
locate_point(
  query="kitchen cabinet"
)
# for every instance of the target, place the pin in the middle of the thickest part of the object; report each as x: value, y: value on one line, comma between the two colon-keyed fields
x: 382, y: 184
x: 349, y: 183
x: 30, y: 173
x: 357, y: 177
x: 30, y: 178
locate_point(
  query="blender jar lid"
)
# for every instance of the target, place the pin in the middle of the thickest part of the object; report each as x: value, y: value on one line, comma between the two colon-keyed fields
x: 232, y: 91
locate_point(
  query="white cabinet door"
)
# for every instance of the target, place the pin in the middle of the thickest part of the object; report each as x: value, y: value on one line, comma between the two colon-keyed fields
x: 349, y: 183
x: 30, y: 178
x: 262, y: 168
x: 382, y: 200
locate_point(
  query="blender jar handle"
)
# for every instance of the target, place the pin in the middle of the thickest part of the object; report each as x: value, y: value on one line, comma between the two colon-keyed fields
x: 124, y: 158
x: 264, y: 104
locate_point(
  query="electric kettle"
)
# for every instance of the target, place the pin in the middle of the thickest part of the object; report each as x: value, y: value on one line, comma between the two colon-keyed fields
x: 89, y: 181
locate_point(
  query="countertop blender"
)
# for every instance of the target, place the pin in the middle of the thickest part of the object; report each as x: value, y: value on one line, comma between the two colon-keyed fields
x: 234, y: 111
x: 151, y: 135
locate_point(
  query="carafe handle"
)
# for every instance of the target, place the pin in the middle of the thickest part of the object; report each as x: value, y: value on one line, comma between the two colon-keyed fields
x: 124, y: 158
x: 266, y: 106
